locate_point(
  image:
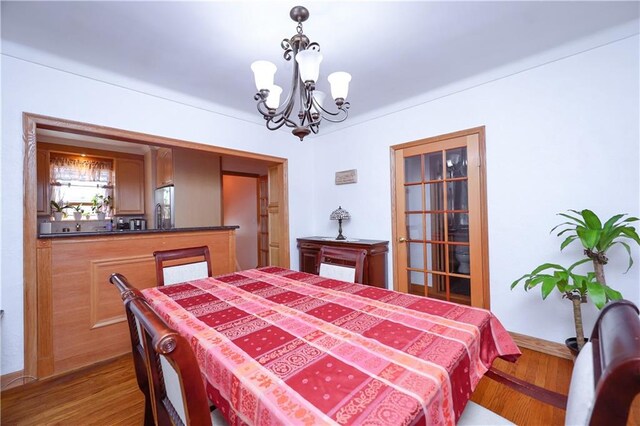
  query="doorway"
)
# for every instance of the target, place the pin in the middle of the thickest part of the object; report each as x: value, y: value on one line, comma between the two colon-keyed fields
x: 245, y: 204
x: 440, y: 218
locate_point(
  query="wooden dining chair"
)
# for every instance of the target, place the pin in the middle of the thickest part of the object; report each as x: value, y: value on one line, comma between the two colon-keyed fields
x: 128, y: 293
x: 605, y: 378
x: 175, y: 381
x: 346, y: 264
x: 179, y: 265
x: 166, y: 368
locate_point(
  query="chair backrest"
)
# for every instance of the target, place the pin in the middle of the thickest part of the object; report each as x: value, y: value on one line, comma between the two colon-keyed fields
x: 341, y: 263
x: 128, y: 293
x: 605, y: 378
x: 606, y: 374
x: 175, y: 381
x: 179, y: 265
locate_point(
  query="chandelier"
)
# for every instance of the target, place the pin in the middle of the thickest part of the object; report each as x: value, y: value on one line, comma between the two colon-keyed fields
x: 303, y: 93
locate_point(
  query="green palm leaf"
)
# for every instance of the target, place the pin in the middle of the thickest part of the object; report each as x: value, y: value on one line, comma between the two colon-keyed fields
x: 592, y: 221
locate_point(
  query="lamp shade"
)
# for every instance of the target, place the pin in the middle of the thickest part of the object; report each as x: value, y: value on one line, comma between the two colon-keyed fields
x: 309, y: 64
x: 273, y: 100
x: 339, y: 214
x: 339, y: 84
x: 263, y: 72
x: 319, y: 98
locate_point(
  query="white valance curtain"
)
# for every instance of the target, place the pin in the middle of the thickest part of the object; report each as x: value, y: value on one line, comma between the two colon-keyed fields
x: 74, y: 169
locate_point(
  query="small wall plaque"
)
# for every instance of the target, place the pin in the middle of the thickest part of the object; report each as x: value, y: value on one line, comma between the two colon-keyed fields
x: 347, y: 176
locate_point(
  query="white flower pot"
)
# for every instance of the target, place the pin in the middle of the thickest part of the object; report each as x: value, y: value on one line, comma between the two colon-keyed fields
x: 57, y: 216
x: 77, y: 215
x: 101, y: 215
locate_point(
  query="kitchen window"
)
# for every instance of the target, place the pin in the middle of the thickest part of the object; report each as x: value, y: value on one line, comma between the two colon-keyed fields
x: 76, y: 180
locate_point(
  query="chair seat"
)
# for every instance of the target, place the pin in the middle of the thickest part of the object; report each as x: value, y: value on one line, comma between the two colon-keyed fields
x: 217, y: 419
x: 477, y: 415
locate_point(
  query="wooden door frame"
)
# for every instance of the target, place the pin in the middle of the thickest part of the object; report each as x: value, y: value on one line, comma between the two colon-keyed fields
x: 37, y: 328
x: 484, y: 237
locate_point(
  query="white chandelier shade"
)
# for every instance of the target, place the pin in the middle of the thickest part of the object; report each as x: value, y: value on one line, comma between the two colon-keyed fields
x: 339, y: 84
x: 309, y: 64
x: 263, y: 73
x: 273, y: 100
x: 302, y: 109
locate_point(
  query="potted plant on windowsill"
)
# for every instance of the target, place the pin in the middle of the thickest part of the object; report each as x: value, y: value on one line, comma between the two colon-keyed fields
x: 596, y: 239
x: 100, y: 205
x: 57, y: 209
x: 78, y: 211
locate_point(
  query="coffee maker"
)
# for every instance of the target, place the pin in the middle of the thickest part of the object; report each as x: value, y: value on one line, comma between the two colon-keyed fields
x: 137, y: 224
x: 121, y: 225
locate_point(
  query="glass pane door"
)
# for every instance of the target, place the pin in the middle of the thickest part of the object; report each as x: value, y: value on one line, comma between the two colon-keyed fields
x: 439, y: 242
x: 437, y: 218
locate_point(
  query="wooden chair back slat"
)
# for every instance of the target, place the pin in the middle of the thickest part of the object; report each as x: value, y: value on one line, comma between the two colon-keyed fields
x: 187, y: 264
x: 342, y: 257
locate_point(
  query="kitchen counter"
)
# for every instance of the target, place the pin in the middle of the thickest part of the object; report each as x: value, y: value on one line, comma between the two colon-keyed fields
x: 75, y: 234
x: 80, y: 319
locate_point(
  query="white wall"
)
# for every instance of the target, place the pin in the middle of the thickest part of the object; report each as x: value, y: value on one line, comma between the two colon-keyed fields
x: 563, y: 135
x: 27, y: 87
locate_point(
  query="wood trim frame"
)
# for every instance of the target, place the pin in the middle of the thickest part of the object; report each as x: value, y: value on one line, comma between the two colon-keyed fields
x: 12, y: 380
x: 240, y: 174
x: 99, y: 153
x: 540, y: 345
x: 482, y: 181
x: 34, y: 324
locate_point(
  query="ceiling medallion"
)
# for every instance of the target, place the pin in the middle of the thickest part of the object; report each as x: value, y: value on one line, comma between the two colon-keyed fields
x: 303, y: 94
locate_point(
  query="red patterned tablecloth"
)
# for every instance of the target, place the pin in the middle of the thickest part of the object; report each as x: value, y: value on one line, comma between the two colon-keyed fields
x: 283, y: 347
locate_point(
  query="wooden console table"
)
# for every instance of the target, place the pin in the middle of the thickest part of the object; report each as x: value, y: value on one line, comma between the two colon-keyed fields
x: 375, y: 264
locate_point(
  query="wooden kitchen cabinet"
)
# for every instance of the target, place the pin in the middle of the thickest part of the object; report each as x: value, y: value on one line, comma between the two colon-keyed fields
x: 375, y: 264
x: 129, y: 188
x: 42, y: 189
x: 164, y: 167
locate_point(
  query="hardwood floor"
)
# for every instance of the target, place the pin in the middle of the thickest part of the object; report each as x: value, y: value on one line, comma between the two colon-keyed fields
x: 107, y: 394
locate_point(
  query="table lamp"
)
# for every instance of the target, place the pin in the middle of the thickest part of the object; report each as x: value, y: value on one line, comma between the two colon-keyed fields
x: 339, y: 214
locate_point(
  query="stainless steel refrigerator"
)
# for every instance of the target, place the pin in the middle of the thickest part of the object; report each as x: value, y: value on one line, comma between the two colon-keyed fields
x: 165, y: 208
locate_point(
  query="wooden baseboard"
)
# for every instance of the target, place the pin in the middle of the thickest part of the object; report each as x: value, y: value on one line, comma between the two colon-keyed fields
x: 11, y: 380
x: 540, y: 345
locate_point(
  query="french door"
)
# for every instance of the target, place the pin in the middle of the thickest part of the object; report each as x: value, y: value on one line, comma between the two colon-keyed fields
x: 440, y: 225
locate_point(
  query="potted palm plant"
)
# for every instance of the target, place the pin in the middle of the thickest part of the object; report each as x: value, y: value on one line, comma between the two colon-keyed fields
x: 596, y: 238
x: 57, y: 209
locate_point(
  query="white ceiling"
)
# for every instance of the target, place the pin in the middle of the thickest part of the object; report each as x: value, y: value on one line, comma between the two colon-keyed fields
x: 394, y: 50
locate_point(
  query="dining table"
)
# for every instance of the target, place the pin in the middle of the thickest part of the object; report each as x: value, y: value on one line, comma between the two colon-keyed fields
x: 277, y: 346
